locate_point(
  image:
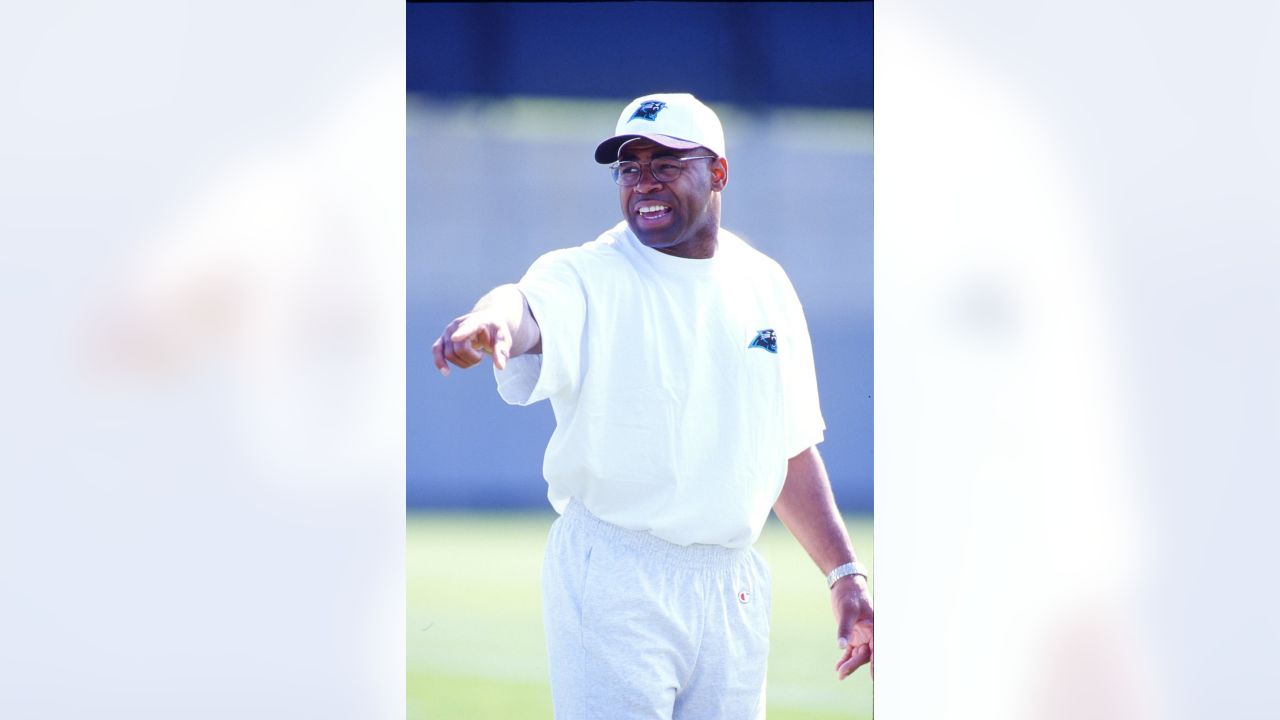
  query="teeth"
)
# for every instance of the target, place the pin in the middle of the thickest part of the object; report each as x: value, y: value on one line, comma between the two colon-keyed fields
x: 653, y: 208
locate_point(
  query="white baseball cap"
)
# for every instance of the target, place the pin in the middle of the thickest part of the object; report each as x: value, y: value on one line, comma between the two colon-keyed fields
x: 675, y: 120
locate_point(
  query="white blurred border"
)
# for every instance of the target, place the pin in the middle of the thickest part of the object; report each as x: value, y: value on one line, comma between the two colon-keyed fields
x: 202, y: 492
x: 1076, y: 386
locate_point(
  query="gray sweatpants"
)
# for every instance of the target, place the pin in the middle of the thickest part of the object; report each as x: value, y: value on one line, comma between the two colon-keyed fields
x: 638, y: 627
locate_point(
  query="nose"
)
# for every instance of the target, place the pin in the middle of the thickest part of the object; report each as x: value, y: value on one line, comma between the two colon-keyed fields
x: 648, y: 181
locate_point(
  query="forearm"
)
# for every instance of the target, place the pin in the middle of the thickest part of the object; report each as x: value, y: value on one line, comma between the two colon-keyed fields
x: 808, y: 509
x: 509, y: 303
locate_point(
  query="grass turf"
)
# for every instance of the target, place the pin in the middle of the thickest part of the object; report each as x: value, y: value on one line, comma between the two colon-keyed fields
x: 475, y: 645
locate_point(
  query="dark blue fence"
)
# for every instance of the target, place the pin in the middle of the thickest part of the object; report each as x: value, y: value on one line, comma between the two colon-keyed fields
x: 796, y: 54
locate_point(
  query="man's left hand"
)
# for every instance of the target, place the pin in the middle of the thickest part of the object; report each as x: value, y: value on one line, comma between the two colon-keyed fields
x: 855, y: 629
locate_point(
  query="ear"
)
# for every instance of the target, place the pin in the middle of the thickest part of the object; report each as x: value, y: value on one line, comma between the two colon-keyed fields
x: 719, y: 174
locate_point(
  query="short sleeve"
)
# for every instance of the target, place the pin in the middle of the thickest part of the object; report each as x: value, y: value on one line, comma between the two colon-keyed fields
x: 804, y: 423
x: 557, y: 299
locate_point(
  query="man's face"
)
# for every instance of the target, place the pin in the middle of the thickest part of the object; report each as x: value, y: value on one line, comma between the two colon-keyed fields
x: 679, y: 217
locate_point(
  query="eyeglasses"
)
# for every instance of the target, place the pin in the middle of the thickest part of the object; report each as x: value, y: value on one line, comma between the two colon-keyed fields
x: 664, y: 169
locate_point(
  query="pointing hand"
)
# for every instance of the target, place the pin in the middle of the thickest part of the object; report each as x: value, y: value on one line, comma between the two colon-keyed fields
x: 467, y: 337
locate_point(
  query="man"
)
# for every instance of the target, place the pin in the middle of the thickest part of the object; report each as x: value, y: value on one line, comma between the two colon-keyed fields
x: 678, y: 363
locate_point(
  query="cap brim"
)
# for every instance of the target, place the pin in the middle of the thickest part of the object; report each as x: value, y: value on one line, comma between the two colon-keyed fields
x: 607, y: 151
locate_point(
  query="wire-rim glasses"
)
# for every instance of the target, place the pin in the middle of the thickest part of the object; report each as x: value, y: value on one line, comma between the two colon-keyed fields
x: 627, y: 173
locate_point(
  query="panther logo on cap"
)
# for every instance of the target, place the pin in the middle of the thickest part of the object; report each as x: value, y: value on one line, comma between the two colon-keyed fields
x: 648, y: 110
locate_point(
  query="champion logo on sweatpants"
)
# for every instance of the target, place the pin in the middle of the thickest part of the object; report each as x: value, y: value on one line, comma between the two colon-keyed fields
x: 744, y: 596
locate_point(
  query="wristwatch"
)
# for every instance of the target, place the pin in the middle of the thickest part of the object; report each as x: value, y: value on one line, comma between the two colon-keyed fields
x: 851, y: 568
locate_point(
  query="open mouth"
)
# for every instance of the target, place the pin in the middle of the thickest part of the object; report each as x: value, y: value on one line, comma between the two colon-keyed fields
x: 653, y: 211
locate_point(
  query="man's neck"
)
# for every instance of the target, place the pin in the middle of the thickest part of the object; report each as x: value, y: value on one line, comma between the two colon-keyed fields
x: 701, y: 247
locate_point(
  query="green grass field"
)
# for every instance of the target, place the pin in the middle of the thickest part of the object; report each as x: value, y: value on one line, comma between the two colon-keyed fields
x: 475, y: 644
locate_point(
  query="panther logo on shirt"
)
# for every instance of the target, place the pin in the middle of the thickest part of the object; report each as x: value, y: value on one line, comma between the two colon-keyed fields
x: 766, y: 339
x: 648, y: 110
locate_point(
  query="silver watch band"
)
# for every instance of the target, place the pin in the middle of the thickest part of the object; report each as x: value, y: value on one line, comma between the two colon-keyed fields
x: 852, y: 568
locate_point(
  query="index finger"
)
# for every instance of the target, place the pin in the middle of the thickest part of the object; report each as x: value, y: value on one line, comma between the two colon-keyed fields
x: 437, y: 356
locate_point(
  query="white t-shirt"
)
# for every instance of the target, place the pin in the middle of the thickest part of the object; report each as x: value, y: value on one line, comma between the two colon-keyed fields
x: 680, y: 387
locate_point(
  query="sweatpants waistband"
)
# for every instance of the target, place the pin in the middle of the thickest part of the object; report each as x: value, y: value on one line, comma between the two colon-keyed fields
x: 711, y: 558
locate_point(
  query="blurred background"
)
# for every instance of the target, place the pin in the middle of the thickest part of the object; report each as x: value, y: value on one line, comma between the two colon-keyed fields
x: 505, y: 105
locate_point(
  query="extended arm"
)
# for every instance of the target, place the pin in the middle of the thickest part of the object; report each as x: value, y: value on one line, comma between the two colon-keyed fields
x: 500, y: 325
x: 808, y: 509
